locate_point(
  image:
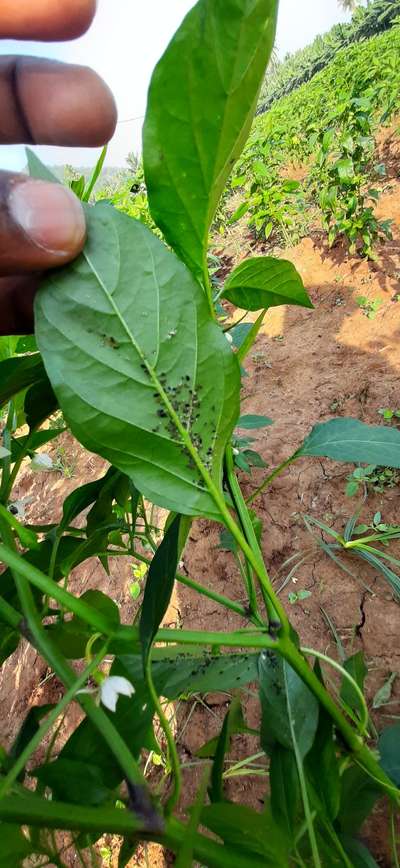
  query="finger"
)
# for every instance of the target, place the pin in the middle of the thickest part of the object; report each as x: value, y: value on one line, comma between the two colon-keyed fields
x: 51, y: 103
x: 45, y: 20
x: 16, y: 303
x: 42, y: 225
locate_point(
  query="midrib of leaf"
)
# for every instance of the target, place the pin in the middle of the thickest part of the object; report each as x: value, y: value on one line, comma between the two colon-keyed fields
x: 186, y: 439
x: 230, y: 95
x: 300, y: 771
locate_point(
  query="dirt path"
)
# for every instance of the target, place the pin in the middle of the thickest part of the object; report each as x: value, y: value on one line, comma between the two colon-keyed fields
x: 306, y: 367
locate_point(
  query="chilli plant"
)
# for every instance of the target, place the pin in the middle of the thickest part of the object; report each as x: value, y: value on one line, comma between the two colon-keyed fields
x: 342, y: 169
x: 130, y: 349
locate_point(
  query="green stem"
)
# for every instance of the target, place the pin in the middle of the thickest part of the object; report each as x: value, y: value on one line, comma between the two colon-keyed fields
x: 206, y: 592
x: 172, y: 749
x: 6, y: 462
x: 9, y: 614
x: 125, y: 637
x: 250, y: 337
x: 60, y: 815
x: 363, y: 724
x: 393, y: 839
x: 247, y: 525
x: 270, y: 478
x: 304, y: 797
x: 51, y: 718
x: 207, y: 282
x: 232, y: 324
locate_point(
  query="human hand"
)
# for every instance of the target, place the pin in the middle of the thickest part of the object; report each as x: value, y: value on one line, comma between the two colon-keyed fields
x: 42, y: 225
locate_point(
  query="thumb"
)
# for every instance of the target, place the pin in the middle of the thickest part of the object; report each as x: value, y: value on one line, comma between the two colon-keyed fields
x: 42, y: 225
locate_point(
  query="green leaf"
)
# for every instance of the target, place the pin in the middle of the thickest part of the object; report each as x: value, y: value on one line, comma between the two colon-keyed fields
x: 358, y: 853
x: 127, y: 851
x: 130, y: 350
x: 18, y: 373
x: 201, y: 105
x: 71, y: 638
x: 159, y: 586
x: 95, y: 175
x: 239, y: 333
x: 240, y: 212
x: 26, y: 344
x: 322, y: 766
x: 345, y: 169
x: 289, y: 709
x: 15, y: 847
x: 285, y: 790
x: 233, y: 722
x: 255, y: 835
x: 77, y: 186
x: 254, y: 459
x: 237, y: 726
x: 101, y: 513
x: 28, y: 729
x: 83, y: 497
x: 37, y: 169
x: 355, y: 666
x: 40, y: 402
x: 353, y: 441
x: 389, y: 749
x: 8, y: 346
x: 74, y: 781
x: 251, y: 421
x: 358, y: 797
x: 26, y: 537
x: 382, y: 696
x: 9, y: 641
x: 176, y: 674
x: 264, y: 282
x: 103, y: 604
x: 40, y: 558
x: 39, y: 438
x: 184, y: 857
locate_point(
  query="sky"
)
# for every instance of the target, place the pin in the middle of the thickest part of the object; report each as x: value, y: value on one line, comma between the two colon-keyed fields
x: 123, y: 45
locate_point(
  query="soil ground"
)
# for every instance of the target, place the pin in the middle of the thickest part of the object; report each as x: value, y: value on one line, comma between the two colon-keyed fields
x: 306, y: 367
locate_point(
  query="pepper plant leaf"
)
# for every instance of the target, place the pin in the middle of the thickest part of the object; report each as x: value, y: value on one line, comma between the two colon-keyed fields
x: 264, y: 282
x: 353, y: 441
x: 289, y: 709
x: 159, y: 586
x: 129, y: 347
x: 201, y: 104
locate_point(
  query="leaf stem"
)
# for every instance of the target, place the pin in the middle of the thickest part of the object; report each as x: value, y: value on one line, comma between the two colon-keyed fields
x: 172, y: 749
x: 250, y: 535
x: 363, y: 723
x: 270, y: 478
x: 250, y: 337
x: 196, y: 586
x: 9, y: 614
x: 61, y: 815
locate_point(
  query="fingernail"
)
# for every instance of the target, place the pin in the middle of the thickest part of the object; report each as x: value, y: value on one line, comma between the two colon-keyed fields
x: 50, y: 215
